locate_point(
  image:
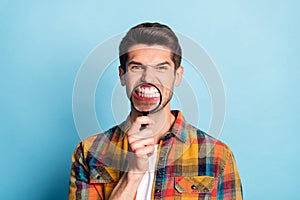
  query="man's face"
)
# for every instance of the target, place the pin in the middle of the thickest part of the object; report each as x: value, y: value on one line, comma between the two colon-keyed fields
x: 153, y: 65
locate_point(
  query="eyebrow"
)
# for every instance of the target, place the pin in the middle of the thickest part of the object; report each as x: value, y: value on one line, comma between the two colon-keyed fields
x: 138, y: 63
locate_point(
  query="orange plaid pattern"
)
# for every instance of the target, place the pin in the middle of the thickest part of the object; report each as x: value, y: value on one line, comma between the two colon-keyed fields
x: 190, y: 165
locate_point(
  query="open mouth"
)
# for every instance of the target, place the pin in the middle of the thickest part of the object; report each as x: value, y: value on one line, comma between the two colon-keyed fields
x: 147, y: 92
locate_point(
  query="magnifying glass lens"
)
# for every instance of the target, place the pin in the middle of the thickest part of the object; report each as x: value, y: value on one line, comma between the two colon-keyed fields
x: 146, y: 98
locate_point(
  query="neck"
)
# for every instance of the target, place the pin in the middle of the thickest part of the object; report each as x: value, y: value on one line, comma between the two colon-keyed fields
x: 163, y: 120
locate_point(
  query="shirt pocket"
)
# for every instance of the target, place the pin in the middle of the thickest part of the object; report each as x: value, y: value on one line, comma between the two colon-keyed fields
x: 103, y: 174
x: 194, y: 186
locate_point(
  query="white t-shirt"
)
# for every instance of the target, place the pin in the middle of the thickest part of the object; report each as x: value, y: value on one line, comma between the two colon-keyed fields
x: 145, y: 188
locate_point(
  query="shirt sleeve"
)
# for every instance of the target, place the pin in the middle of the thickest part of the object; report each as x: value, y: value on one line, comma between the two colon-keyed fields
x: 79, y: 187
x: 229, y: 184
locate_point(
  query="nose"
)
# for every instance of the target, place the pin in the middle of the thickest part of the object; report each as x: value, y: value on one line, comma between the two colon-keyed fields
x: 148, y: 75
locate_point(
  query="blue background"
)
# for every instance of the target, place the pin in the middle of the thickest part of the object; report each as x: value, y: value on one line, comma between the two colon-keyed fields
x: 254, y: 44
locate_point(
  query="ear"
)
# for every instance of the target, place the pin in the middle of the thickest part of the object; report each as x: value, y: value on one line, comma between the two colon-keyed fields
x: 122, y: 76
x: 178, y: 75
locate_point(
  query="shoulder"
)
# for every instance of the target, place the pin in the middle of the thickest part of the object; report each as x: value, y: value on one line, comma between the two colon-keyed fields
x: 208, y: 144
x: 102, y: 137
x: 93, y: 154
x: 94, y: 146
x: 207, y: 137
x: 192, y: 135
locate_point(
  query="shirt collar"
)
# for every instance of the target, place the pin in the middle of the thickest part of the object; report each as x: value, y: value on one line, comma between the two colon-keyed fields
x: 178, y: 127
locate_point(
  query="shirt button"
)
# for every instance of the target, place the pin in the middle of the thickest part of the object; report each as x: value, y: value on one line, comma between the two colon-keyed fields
x: 157, y: 190
x: 194, y: 187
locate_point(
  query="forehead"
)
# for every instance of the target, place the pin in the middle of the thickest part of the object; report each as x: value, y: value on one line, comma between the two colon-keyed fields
x: 149, y: 54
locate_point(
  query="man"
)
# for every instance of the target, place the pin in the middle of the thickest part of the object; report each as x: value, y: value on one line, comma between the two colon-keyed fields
x: 155, y: 153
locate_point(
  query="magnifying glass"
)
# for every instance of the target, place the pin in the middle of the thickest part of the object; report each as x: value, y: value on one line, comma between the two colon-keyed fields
x: 146, y: 98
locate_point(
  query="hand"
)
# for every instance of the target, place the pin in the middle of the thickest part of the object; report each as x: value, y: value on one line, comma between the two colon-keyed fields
x: 142, y: 144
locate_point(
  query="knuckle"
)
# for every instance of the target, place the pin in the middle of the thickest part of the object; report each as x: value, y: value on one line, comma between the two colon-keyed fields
x: 133, y: 146
x: 138, y: 120
x: 151, y: 147
x: 130, y: 139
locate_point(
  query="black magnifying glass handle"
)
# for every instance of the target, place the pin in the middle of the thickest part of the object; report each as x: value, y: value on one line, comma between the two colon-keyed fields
x: 143, y: 126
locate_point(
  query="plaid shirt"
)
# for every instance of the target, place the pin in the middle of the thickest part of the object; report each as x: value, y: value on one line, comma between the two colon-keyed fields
x: 190, y: 165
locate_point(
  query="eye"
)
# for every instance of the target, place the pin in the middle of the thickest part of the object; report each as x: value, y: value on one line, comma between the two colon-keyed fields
x: 162, y: 68
x: 137, y: 67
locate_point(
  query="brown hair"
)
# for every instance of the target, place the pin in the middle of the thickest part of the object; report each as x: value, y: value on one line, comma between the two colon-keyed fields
x: 150, y: 34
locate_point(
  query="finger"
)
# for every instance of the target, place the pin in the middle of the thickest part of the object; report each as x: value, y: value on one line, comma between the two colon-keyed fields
x: 142, y: 120
x: 138, y: 131
x: 140, y: 135
x: 136, y: 125
x: 141, y: 143
x: 145, y: 151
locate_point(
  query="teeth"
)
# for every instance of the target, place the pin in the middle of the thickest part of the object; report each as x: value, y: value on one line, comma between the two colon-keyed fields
x: 151, y: 90
x: 147, y: 92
